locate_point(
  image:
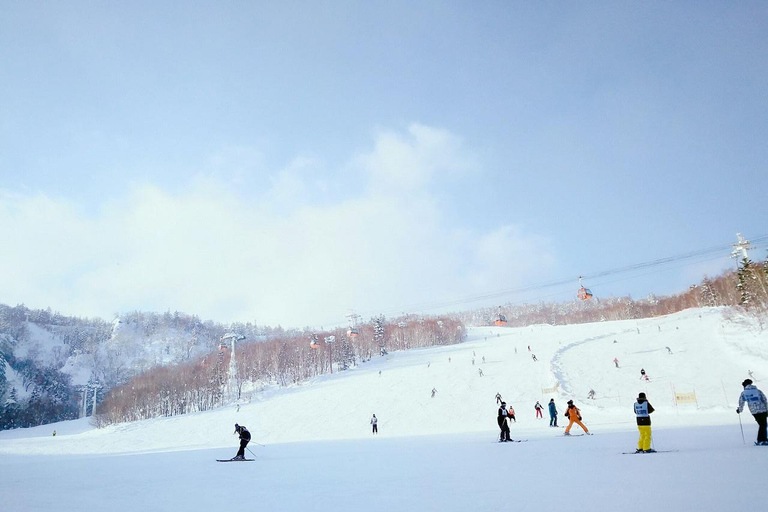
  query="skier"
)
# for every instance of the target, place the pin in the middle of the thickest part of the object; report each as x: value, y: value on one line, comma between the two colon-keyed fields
x: 574, y: 416
x: 503, y: 425
x: 480, y: 371
x: 538, y: 408
x: 643, y: 410
x: 511, y: 413
x: 498, y: 398
x: 591, y: 394
x: 245, y: 437
x: 534, y: 357
x: 374, y: 425
x: 643, y: 375
x: 552, y: 413
x: 669, y: 350
x: 616, y: 361
x: 758, y: 406
x: 434, y: 392
x: 483, y: 359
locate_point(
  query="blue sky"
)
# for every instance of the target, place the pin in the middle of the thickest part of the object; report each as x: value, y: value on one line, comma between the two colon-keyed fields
x: 285, y: 162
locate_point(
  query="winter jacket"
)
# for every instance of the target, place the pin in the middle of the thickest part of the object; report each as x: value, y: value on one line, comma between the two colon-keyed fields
x: 374, y: 420
x: 755, y: 398
x: 572, y: 409
x: 244, y: 434
x: 552, y: 409
x: 643, y: 410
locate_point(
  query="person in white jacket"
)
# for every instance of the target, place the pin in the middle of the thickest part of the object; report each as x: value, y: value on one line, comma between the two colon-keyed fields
x: 758, y: 406
x: 375, y: 424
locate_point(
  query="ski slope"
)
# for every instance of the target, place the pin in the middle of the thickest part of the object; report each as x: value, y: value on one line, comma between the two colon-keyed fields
x: 315, y: 450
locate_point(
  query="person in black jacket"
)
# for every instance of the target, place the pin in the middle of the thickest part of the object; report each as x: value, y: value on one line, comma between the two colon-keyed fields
x: 643, y: 410
x: 245, y: 437
x: 503, y: 425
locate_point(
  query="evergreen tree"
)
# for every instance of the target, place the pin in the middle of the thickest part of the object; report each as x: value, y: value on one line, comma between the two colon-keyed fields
x: 379, y: 331
x: 744, y: 277
x: 708, y: 294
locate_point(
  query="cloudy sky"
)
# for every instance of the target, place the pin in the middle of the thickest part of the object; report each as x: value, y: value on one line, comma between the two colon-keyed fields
x: 285, y: 162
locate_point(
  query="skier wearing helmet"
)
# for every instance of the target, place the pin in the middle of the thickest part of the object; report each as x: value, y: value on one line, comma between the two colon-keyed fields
x: 245, y: 437
x: 574, y: 416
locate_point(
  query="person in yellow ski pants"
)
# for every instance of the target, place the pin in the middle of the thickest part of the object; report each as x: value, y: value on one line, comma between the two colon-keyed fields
x: 643, y: 410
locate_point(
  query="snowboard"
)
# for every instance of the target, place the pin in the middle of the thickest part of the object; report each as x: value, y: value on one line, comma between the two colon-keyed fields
x: 235, y: 460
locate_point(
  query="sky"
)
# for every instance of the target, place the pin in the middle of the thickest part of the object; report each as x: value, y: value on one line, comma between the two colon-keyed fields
x: 288, y: 162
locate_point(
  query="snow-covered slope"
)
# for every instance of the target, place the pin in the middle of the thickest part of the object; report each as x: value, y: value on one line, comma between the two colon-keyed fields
x: 315, y: 449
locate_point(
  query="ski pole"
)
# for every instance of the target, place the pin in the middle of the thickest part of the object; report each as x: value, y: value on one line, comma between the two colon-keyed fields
x: 250, y: 451
x: 742, y: 431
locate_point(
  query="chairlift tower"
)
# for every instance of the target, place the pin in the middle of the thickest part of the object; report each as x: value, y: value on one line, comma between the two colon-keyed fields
x: 232, y: 370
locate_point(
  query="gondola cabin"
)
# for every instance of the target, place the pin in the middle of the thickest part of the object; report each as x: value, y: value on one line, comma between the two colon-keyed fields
x: 352, y: 332
x: 584, y: 293
x: 501, y: 320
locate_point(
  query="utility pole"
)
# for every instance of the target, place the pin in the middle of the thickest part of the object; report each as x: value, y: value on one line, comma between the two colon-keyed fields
x: 232, y: 371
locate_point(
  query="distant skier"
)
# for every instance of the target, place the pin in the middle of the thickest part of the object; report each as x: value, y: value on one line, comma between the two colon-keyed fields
x: 643, y: 375
x: 434, y: 392
x: 616, y: 361
x: 758, y: 406
x: 511, y: 413
x: 529, y: 348
x: 552, y: 413
x: 643, y: 410
x: 480, y: 371
x: 54, y: 433
x: 498, y: 398
x: 534, y: 357
x: 374, y: 425
x: 591, y: 394
x: 669, y: 350
x: 473, y: 361
x: 245, y: 438
x: 501, y: 418
x: 574, y: 416
x: 538, y: 408
x: 483, y: 359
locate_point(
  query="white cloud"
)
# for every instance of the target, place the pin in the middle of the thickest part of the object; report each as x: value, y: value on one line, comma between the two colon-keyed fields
x: 276, y: 255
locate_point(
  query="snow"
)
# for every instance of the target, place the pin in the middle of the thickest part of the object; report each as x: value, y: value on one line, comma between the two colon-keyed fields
x: 315, y: 451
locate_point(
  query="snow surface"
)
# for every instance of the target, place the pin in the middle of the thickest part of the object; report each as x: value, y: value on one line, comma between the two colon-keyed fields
x: 315, y: 450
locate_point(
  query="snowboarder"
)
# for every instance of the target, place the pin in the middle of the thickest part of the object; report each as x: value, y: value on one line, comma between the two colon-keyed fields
x: 591, y: 394
x: 574, y: 416
x: 502, y: 421
x: 758, y: 406
x: 538, y: 408
x: 498, y: 398
x: 616, y: 361
x: 552, y: 413
x: 374, y: 425
x: 511, y: 413
x: 245, y: 438
x: 643, y: 410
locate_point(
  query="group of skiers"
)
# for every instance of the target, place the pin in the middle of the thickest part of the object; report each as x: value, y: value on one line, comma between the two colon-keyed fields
x: 753, y: 397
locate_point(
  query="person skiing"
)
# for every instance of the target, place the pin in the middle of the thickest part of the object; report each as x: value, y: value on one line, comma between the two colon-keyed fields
x: 643, y: 375
x: 511, y: 413
x: 538, y: 408
x: 502, y: 421
x: 245, y: 438
x: 616, y: 361
x: 533, y: 356
x: 591, y: 394
x: 643, y: 410
x: 574, y: 416
x: 552, y: 413
x: 374, y: 425
x: 434, y: 391
x: 758, y: 406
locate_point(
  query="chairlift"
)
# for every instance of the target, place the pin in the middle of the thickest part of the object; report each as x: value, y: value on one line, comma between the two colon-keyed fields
x: 583, y: 293
x: 352, y: 332
x: 501, y: 320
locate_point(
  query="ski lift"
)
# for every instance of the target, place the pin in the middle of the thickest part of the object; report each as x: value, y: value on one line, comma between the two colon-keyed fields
x: 352, y: 332
x: 501, y: 320
x: 313, y: 342
x: 583, y: 293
